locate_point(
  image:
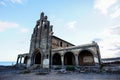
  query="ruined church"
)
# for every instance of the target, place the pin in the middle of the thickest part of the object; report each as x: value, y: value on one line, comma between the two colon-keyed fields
x: 49, y: 51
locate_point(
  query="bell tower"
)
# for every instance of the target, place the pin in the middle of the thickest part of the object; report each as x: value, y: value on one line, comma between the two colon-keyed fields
x: 41, y: 40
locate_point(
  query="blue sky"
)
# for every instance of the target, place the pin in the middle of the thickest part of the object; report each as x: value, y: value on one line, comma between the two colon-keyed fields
x: 77, y: 21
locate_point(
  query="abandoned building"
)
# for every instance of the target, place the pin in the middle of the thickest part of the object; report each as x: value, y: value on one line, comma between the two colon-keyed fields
x: 59, y: 53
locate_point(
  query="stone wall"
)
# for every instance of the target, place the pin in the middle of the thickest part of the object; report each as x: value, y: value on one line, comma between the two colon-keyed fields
x: 76, y: 55
x: 60, y: 43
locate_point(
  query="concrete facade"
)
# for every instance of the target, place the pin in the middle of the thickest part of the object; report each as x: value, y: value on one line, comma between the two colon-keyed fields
x: 60, y: 53
x: 83, y: 55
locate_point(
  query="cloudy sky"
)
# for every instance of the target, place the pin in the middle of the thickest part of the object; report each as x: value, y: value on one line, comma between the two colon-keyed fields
x: 77, y: 21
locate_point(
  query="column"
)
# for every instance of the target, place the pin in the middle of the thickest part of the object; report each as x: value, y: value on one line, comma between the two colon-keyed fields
x: 76, y: 59
x: 31, y: 59
x: 42, y: 58
x: 17, y: 60
x: 20, y: 59
x: 62, y: 59
x: 51, y: 57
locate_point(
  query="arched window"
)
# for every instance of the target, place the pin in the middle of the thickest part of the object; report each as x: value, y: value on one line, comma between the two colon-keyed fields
x: 60, y: 44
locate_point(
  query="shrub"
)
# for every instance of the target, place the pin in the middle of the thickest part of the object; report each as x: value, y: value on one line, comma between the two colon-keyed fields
x: 41, y: 73
x: 70, y: 68
x: 25, y: 72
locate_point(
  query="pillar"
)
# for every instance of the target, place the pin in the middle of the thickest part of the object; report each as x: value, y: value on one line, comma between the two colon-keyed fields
x: 31, y: 59
x: 42, y: 58
x: 76, y: 59
x: 51, y: 57
x: 17, y: 60
x: 62, y: 59
x: 20, y: 59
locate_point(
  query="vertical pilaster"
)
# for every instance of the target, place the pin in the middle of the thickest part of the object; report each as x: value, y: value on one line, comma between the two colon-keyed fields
x: 50, y: 59
x: 20, y: 59
x: 76, y: 59
x: 62, y: 59
x: 17, y: 60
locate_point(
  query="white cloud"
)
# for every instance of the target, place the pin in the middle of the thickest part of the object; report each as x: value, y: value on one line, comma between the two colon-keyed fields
x: 72, y: 24
x: 110, y: 41
x: 108, y: 48
x: 24, y: 30
x: 16, y: 1
x: 7, y: 2
x: 2, y: 3
x: 116, y: 13
x: 6, y: 25
x: 113, y: 30
x: 104, y: 5
x: 108, y: 7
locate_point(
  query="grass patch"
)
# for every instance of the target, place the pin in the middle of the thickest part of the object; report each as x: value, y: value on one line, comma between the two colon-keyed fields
x: 70, y: 68
x: 25, y: 72
x: 41, y: 73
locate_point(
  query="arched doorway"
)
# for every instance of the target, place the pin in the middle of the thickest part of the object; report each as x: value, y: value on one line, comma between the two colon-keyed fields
x: 25, y: 59
x: 56, y: 59
x: 86, y: 58
x: 69, y: 58
x: 37, y: 58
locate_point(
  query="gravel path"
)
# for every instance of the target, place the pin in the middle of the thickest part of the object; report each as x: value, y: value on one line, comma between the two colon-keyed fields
x: 55, y: 76
x: 11, y: 74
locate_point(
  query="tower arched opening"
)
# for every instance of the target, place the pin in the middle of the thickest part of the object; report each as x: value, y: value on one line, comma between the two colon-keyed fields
x: 38, y: 58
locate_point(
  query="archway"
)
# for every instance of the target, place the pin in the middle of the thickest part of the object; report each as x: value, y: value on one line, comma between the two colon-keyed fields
x: 69, y: 58
x: 86, y: 58
x: 56, y: 59
x: 25, y: 59
x: 38, y: 58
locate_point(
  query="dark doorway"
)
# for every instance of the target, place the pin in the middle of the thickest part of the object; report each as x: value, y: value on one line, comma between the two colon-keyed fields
x: 86, y: 58
x: 56, y: 60
x: 69, y: 58
x: 38, y: 58
x: 25, y: 59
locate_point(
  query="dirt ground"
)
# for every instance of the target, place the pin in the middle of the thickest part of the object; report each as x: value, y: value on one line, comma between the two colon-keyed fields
x: 12, y: 74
